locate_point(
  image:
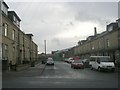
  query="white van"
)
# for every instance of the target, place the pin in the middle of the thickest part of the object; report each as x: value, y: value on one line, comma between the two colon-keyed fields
x: 101, y: 63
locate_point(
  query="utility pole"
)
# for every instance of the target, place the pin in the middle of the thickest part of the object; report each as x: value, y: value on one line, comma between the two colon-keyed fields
x: 45, y: 51
x: 45, y: 46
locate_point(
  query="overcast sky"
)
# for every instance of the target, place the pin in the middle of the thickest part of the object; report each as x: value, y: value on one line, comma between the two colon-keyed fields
x: 63, y: 24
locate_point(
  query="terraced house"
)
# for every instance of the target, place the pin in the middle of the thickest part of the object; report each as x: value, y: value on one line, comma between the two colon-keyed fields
x: 17, y: 47
x: 106, y: 43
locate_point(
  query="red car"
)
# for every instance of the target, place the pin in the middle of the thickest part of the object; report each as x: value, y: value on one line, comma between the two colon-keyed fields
x: 76, y: 58
x: 77, y: 64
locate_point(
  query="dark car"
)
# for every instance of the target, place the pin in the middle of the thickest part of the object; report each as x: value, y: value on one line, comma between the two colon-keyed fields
x: 77, y: 64
x: 43, y: 61
x: 86, y: 63
x: 66, y: 59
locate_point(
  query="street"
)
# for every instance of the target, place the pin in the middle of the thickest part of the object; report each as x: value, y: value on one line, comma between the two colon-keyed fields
x: 61, y: 75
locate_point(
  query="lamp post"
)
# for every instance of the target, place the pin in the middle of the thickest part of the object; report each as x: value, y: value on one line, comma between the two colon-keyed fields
x: 45, y: 46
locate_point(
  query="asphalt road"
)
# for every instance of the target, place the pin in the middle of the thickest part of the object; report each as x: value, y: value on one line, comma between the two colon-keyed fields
x: 62, y: 76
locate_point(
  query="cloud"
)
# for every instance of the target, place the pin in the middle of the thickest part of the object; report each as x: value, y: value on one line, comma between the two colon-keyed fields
x: 56, y: 41
x: 99, y: 12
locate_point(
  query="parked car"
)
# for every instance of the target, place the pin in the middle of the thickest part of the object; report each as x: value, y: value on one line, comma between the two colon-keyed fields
x: 86, y: 63
x: 77, y: 64
x: 70, y: 60
x: 117, y: 63
x: 50, y: 61
x: 66, y: 60
x: 44, y: 61
x: 76, y: 58
x: 102, y: 63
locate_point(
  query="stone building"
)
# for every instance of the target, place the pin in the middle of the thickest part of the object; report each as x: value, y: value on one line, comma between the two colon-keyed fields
x: 17, y: 47
x: 105, y: 43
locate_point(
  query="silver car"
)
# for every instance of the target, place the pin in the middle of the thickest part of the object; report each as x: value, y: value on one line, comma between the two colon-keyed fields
x: 50, y: 61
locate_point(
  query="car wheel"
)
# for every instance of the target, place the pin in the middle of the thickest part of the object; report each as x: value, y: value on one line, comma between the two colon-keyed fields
x: 91, y: 67
x: 82, y: 67
x: 113, y: 70
x: 99, y: 69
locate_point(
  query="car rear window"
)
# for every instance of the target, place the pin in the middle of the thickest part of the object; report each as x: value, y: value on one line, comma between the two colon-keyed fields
x: 77, y: 61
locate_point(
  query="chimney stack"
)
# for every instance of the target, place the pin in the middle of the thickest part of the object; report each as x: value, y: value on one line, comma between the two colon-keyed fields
x: 95, y: 31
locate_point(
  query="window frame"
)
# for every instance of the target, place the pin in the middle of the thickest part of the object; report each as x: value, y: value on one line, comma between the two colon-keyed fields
x: 6, y: 51
x: 13, y: 34
x: 5, y: 29
x: 108, y: 42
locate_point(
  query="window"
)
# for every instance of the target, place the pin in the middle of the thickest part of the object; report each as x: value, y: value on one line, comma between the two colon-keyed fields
x: 16, y: 21
x: 14, y: 18
x: 99, y: 43
x: 6, y: 51
x: 13, y: 34
x: 13, y: 52
x: 93, y: 47
x: 5, y: 47
x: 108, y: 43
x: 6, y: 29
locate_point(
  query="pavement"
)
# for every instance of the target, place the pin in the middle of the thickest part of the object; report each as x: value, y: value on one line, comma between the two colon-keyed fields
x: 26, y: 71
x: 22, y: 67
x: 0, y: 80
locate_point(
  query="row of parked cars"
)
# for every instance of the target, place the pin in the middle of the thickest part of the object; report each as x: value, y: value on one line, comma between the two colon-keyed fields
x: 76, y: 62
x: 99, y: 63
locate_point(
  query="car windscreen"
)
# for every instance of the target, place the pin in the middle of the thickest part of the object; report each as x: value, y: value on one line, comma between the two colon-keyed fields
x: 50, y: 59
